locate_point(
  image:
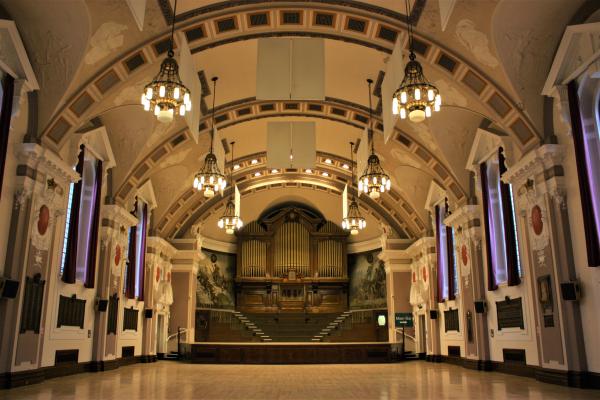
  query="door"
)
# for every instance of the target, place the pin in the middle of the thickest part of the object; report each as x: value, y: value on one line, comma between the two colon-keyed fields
x: 422, y: 335
x: 161, y: 345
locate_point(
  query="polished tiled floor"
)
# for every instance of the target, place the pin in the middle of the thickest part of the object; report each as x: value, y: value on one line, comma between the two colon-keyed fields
x: 411, y: 380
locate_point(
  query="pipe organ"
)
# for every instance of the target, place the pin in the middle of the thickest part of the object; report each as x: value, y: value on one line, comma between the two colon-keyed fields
x: 292, y: 259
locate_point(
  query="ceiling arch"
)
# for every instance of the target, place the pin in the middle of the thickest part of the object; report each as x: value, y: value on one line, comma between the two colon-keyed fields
x: 193, y: 207
x: 381, y: 29
x: 336, y: 110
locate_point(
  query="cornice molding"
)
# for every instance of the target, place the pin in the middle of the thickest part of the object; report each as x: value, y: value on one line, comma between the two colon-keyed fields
x: 534, y: 162
x: 47, y: 162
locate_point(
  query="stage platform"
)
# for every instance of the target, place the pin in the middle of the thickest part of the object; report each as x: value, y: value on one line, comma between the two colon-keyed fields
x: 286, y: 353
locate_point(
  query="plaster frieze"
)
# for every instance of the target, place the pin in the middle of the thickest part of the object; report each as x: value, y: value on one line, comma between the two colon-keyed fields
x: 462, y: 216
x: 161, y: 246
x: 47, y: 162
x: 421, y: 246
x: 118, y: 215
x: 534, y: 163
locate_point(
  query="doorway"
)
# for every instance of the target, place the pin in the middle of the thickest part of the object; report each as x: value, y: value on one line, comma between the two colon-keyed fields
x: 422, y: 335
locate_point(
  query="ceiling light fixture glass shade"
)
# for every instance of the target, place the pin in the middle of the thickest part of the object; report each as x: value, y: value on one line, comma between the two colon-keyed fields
x: 374, y: 179
x: 416, y: 97
x: 209, y: 179
x: 229, y: 220
x: 166, y: 94
x: 354, y: 221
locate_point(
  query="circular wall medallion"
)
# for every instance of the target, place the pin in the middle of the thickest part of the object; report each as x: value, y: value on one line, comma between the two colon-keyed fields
x: 213, y: 258
x: 157, y: 274
x: 464, y: 255
x: 117, y: 255
x: 370, y: 258
x: 536, y: 220
x: 43, y: 220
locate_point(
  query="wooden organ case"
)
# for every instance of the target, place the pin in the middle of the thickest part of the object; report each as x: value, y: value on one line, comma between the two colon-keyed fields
x: 292, y: 260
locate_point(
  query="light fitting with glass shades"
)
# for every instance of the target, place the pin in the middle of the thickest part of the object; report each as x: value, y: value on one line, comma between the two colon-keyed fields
x: 416, y: 97
x: 166, y: 94
x: 354, y: 221
x: 230, y: 220
x: 210, y: 179
x: 374, y: 180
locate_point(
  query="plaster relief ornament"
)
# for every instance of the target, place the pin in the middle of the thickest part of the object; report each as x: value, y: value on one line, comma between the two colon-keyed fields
x: 129, y: 94
x: 540, y: 236
x: 43, y: 220
x: 40, y: 238
x: 117, y: 255
x: 452, y: 95
x: 106, y: 39
x: 476, y: 41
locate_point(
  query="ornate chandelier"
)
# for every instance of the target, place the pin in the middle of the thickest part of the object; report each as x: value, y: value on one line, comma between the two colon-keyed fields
x: 354, y: 221
x: 374, y: 180
x: 230, y: 220
x: 415, y: 96
x: 166, y: 94
x: 210, y: 179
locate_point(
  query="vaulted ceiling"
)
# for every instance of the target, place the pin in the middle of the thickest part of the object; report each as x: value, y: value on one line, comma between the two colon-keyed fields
x: 489, y: 62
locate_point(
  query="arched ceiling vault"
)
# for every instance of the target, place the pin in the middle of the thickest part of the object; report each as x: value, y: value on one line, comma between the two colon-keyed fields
x: 195, y: 209
x: 227, y: 22
x: 358, y: 38
x: 240, y: 112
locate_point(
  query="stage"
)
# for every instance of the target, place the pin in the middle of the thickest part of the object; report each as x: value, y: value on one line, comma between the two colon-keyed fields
x: 286, y: 353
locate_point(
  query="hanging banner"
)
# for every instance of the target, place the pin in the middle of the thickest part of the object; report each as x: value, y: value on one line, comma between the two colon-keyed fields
x: 219, y: 150
x: 190, y: 79
x: 362, y: 155
x: 237, y: 200
x: 345, y: 202
x: 394, y: 73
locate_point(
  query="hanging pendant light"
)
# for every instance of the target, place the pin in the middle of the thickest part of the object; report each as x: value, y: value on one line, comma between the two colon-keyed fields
x: 166, y: 94
x: 210, y: 179
x: 354, y: 221
x: 374, y: 180
x: 416, y: 97
x: 230, y: 220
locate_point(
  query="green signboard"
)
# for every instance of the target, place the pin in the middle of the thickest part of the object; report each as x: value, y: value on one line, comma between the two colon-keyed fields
x: 404, y: 320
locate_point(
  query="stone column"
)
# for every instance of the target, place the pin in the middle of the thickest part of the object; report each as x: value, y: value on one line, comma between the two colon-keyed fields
x: 397, y: 280
x: 423, y: 296
x: 158, y: 253
x: 115, y: 224
x: 544, y: 234
x: 468, y: 254
x: 40, y: 200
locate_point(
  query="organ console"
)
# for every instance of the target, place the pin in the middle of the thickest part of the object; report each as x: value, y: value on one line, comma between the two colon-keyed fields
x: 292, y: 259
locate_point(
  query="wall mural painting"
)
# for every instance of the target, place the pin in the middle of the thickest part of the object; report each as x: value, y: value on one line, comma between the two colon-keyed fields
x: 367, y: 281
x: 216, y: 281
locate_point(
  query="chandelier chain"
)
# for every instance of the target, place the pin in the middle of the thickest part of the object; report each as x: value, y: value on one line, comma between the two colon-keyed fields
x: 410, y: 29
x: 212, y: 131
x: 371, y: 139
x: 172, y: 44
